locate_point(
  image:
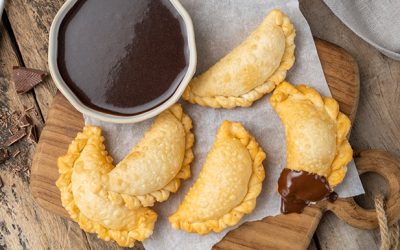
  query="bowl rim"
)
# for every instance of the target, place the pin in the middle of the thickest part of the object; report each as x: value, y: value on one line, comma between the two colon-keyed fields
x: 103, y: 116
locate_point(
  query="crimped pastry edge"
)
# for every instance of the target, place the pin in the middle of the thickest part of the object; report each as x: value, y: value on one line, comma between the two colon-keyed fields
x: 64, y: 183
x: 248, y: 204
x: 163, y: 194
x: 123, y: 238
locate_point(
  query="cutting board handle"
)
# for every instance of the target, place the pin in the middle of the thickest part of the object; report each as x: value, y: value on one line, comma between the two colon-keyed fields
x: 384, y: 164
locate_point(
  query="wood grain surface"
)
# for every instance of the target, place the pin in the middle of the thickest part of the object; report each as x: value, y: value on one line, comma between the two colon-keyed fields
x: 377, y: 126
x: 290, y: 232
x: 23, y: 224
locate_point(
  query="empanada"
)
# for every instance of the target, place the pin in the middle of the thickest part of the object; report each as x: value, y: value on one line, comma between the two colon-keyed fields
x: 227, y: 186
x: 249, y: 71
x: 155, y: 166
x: 316, y: 139
x: 108, y: 200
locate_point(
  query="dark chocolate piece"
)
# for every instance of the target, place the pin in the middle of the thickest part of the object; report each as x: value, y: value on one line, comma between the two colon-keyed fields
x: 132, y: 57
x: 25, y: 79
x: 299, y: 188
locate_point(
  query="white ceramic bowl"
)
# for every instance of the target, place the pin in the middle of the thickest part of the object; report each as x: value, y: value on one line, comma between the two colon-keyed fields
x: 81, y: 107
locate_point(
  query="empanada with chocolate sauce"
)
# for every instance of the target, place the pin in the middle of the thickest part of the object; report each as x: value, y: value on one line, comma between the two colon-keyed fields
x: 317, y: 146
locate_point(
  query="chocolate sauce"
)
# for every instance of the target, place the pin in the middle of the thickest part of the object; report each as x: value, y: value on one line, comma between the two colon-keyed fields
x: 299, y: 188
x: 123, y: 56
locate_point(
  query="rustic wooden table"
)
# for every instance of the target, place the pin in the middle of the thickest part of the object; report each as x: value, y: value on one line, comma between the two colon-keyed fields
x: 23, y: 41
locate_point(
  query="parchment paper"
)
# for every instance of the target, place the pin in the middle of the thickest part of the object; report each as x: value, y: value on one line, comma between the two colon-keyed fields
x: 220, y: 25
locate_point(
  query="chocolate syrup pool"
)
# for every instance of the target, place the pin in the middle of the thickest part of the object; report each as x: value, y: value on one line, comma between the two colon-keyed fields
x: 123, y: 57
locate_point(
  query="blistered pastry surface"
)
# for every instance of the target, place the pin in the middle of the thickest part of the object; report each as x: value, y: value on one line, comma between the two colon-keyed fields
x: 316, y: 132
x: 85, y: 179
x: 250, y: 70
x: 156, y: 159
x: 227, y: 186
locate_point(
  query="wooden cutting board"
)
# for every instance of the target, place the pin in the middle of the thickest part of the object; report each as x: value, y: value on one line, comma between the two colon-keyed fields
x: 292, y: 231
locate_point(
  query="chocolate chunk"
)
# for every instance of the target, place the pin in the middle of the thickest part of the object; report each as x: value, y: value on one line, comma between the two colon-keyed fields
x: 4, y: 155
x: 299, y: 188
x: 15, y: 137
x: 25, y: 79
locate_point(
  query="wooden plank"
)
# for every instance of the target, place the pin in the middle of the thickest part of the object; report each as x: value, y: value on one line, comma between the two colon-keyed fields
x: 23, y: 224
x: 64, y: 122
x: 377, y: 123
x: 31, y: 21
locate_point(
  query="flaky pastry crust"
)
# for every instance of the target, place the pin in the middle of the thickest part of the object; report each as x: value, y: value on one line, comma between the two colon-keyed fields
x: 157, y: 164
x: 228, y: 184
x: 85, y: 178
x: 251, y: 70
x: 316, y: 131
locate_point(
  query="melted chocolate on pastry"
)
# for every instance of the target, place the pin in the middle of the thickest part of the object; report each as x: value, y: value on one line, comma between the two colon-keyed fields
x: 299, y: 188
x: 123, y: 56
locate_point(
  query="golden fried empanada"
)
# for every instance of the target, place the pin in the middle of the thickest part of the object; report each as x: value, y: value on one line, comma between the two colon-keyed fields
x: 227, y: 186
x: 155, y: 166
x: 249, y: 71
x: 109, y: 200
x: 316, y: 136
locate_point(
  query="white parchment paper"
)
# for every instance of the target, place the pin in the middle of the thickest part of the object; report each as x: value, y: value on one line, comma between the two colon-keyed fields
x: 220, y: 25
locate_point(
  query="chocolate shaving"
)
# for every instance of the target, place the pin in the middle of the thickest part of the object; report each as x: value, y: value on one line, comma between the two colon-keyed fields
x: 15, y: 137
x: 29, y: 109
x: 33, y: 136
x: 24, y: 121
x: 1, y: 183
x: 25, y: 79
x: 16, y: 153
x: 4, y: 155
x: 13, y: 130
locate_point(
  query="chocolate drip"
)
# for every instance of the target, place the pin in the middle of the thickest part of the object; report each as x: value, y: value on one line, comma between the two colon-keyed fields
x: 299, y: 188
